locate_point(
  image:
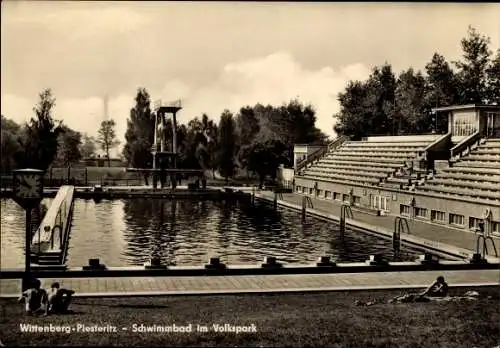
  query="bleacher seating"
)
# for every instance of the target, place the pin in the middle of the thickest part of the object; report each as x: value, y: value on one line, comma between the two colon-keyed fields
x: 474, y: 175
x: 374, y: 161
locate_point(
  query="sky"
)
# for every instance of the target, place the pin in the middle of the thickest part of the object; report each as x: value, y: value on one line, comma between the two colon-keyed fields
x: 215, y: 55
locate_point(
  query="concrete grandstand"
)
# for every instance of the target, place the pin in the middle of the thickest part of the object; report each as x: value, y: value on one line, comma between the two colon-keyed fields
x: 451, y: 179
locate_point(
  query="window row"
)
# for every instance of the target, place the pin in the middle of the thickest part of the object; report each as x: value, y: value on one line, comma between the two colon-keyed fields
x: 325, y: 194
x: 453, y: 219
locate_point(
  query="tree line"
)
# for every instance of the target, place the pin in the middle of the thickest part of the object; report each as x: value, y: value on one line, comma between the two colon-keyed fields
x: 386, y: 104
x: 255, y: 141
x: 44, y: 141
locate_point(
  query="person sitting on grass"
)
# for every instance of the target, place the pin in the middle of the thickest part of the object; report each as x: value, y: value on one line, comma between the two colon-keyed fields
x: 438, y: 289
x: 59, y: 299
x: 35, y: 298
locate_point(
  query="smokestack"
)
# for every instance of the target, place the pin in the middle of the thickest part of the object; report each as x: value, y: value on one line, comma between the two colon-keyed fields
x: 106, y: 110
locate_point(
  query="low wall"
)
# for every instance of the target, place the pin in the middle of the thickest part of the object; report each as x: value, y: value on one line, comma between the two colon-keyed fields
x: 396, y: 198
x: 404, y: 138
x: 441, y: 249
x: 56, y: 222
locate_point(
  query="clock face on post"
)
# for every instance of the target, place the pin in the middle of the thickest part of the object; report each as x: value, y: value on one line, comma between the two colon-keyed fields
x: 28, y: 186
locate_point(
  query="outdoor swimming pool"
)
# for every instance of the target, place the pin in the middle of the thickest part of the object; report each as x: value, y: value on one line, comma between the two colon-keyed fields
x: 123, y: 232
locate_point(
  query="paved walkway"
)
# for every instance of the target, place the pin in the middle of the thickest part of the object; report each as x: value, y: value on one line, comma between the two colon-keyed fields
x: 258, y: 283
x: 435, y: 232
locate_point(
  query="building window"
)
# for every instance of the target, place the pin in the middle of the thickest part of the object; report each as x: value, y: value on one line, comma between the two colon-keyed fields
x: 404, y: 210
x: 320, y: 193
x: 345, y: 197
x: 495, y: 227
x: 456, y: 219
x: 438, y: 216
x: 310, y: 190
x: 474, y: 223
x: 491, y: 128
x: 421, y: 212
x: 464, y: 125
x: 337, y: 196
x: 298, y: 188
x: 357, y: 200
x: 328, y: 194
x: 378, y: 202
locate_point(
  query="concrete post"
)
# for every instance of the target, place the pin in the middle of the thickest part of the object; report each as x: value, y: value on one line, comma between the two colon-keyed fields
x: 174, y: 136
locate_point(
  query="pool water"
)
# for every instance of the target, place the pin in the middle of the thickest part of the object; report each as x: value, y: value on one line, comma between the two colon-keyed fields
x: 125, y: 232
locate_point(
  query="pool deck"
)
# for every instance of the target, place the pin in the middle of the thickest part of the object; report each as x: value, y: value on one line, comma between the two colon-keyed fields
x: 165, y: 286
x: 280, y: 283
x: 428, y: 231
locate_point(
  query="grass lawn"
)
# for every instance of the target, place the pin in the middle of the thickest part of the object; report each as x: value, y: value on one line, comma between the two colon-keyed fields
x: 306, y: 319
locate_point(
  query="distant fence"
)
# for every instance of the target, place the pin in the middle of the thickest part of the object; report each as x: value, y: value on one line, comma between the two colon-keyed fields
x: 118, y: 176
x: 89, y: 176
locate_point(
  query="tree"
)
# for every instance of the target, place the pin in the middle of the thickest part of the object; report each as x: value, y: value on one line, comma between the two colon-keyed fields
x: 69, y: 143
x: 208, y: 144
x: 87, y: 146
x: 247, y: 125
x: 42, y: 133
x: 264, y: 157
x: 139, y: 136
x: 11, y: 145
x: 409, y: 95
x: 354, y: 118
x: 107, y: 137
x: 441, y: 83
x: 381, y: 93
x: 227, y: 145
x: 368, y: 107
x: 493, y: 74
x: 290, y: 123
x: 472, y: 69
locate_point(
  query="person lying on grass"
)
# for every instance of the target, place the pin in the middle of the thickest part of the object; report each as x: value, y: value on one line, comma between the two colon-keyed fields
x: 58, y: 299
x: 35, y: 298
x: 438, y: 290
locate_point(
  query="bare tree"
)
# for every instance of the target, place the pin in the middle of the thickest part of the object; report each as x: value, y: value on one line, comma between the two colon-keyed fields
x: 106, y: 137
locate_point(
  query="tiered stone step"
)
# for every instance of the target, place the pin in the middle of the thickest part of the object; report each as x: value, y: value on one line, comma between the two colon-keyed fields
x: 351, y: 171
x: 474, y: 175
x: 459, y: 191
x: 351, y: 178
x: 478, y: 164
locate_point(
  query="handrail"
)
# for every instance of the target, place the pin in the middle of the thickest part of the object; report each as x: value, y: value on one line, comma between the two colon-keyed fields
x: 322, y: 151
x: 457, y: 151
x: 435, y: 143
x: 57, y: 215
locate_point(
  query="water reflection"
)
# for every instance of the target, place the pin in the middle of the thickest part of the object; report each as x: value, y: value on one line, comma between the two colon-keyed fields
x: 12, y: 230
x: 187, y: 232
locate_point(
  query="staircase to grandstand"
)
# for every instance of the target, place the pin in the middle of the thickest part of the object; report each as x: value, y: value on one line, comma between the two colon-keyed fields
x: 477, y: 174
x: 379, y: 161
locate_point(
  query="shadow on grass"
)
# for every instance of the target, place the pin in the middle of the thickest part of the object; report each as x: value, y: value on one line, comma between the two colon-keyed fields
x: 68, y: 312
x: 127, y: 305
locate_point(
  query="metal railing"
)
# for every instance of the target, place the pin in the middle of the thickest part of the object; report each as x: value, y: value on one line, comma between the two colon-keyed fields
x: 54, y: 222
x: 464, y: 147
x: 321, y: 152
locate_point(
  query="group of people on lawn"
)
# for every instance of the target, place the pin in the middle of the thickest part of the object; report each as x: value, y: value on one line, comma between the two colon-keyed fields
x: 57, y: 299
x: 54, y: 301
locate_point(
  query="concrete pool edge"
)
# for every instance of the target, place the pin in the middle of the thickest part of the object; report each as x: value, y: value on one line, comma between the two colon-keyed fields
x: 261, y: 291
x: 178, y: 271
x: 419, y: 242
